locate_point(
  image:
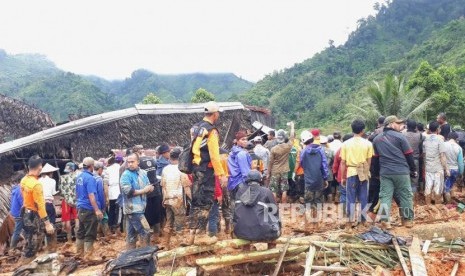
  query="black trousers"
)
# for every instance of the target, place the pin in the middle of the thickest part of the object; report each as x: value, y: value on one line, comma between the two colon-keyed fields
x: 113, y: 214
x: 88, y: 223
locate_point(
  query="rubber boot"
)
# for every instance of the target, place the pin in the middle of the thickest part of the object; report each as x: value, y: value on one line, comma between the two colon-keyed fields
x: 438, y: 199
x: 69, y: 237
x: 447, y: 197
x: 167, y: 239
x: 428, y: 199
x: 227, y: 227
x: 188, y: 238
x: 89, y: 252
x: 52, y: 243
x: 79, y: 247
x: 146, y: 240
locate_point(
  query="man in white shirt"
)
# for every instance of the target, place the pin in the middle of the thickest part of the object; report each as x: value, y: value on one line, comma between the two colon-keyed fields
x: 113, y: 175
x: 336, y: 144
x: 49, y: 186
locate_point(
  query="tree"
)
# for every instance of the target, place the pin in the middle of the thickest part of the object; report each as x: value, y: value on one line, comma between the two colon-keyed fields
x: 151, y: 99
x: 202, y: 96
x: 390, y: 99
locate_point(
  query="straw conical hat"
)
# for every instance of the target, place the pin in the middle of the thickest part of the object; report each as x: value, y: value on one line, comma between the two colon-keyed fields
x: 48, y: 169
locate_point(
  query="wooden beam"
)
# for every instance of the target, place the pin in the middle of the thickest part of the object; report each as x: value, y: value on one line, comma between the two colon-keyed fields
x: 280, y: 261
x: 416, y: 258
x: 401, y: 257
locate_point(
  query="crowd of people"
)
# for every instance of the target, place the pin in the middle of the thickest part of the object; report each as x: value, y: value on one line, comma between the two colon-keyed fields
x: 181, y: 191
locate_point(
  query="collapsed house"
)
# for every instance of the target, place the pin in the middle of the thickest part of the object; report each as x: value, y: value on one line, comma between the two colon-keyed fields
x: 97, y: 135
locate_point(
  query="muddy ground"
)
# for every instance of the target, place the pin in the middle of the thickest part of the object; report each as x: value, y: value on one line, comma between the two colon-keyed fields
x: 428, y: 220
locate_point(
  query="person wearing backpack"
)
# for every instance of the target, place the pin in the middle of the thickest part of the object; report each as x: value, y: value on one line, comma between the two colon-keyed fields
x: 206, y: 164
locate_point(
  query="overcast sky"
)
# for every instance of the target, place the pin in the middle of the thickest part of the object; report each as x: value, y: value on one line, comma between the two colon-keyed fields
x: 250, y: 38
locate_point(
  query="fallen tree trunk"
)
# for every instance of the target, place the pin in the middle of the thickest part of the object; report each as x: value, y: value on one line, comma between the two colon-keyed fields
x: 218, y: 262
x: 194, y: 249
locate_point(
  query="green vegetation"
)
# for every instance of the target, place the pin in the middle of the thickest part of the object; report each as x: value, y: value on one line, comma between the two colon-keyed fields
x: 151, y: 99
x: 202, y: 96
x: 322, y: 90
x: 37, y: 81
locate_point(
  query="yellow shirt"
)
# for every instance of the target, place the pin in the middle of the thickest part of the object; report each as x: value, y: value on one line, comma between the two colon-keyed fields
x: 33, y: 195
x: 356, y: 151
x: 213, y: 141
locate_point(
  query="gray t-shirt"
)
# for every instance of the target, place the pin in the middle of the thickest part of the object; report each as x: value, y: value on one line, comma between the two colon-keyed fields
x: 433, y: 146
x: 415, y: 139
x: 391, y: 147
x: 453, y: 151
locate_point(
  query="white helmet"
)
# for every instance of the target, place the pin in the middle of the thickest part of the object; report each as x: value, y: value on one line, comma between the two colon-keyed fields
x: 305, y: 136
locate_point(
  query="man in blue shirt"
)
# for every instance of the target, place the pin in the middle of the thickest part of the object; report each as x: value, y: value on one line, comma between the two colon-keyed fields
x: 15, y: 211
x: 89, y: 213
x: 135, y: 185
x: 101, y: 197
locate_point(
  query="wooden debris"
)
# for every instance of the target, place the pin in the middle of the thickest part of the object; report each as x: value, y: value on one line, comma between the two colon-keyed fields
x: 309, y: 260
x: 455, y: 269
x: 194, y: 249
x: 416, y: 259
x: 213, y: 263
x: 426, y: 246
x: 321, y: 273
x: 280, y: 261
x: 180, y: 271
x: 401, y: 257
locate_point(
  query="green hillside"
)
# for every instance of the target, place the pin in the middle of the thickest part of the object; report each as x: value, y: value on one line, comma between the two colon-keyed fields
x: 317, y: 91
x: 172, y: 88
x: 37, y: 81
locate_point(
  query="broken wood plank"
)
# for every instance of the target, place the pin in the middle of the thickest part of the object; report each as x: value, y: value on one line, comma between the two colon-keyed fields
x: 426, y: 246
x: 280, y: 261
x: 401, y: 257
x: 194, y: 249
x: 416, y: 259
x: 180, y: 271
x: 331, y: 268
x: 309, y: 260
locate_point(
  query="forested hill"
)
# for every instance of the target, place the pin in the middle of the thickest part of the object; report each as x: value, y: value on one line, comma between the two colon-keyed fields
x: 404, y: 33
x: 37, y: 81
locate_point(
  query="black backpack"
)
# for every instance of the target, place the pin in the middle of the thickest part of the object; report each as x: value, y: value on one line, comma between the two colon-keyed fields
x: 186, y: 157
x: 140, y: 261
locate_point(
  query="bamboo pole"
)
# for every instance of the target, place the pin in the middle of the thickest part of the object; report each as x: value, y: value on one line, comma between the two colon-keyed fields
x: 321, y: 273
x: 194, y: 249
x: 216, y: 262
x: 344, y: 245
x: 309, y: 261
x: 180, y: 271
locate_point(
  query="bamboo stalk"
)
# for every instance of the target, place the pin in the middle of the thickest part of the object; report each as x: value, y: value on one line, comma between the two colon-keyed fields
x: 321, y: 273
x: 303, y: 241
x: 180, y: 271
x: 309, y: 260
x: 228, y: 260
x: 194, y: 249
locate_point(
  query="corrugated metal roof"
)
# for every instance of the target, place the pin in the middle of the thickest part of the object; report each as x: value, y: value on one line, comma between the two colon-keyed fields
x: 96, y: 120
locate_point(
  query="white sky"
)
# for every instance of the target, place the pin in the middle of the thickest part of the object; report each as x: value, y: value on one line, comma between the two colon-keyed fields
x: 250, y: 38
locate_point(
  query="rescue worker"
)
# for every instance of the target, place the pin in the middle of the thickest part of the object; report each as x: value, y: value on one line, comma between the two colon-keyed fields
x: 34, y: 214
x: 206, y: 165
